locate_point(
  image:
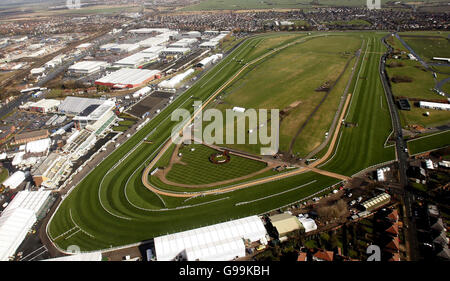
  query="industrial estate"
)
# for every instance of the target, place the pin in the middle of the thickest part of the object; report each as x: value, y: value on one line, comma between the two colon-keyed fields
x: 90, y: 169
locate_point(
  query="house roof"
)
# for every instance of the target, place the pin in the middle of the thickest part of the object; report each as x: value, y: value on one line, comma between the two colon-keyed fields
x: 393, y: 229
x: 324, y: 255
x: 301, y: 257
x: 393, y: 215
x: 394, y: 244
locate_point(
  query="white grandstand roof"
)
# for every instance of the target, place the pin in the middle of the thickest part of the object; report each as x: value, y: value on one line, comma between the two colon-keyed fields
x: 103, y: 108
x: 14, y: 226
x: 14, y: 180
x: 128, y: 76
x: 211, y: 242
x: 76, y: 105
x: 38, y: 146
x: 30, y: 200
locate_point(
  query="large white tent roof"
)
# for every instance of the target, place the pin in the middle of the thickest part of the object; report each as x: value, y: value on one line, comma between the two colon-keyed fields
x: 38, y: 146
x: 14, y: 226
x: 14, y: 180
x: 30, y: 200
x: 205, y: 243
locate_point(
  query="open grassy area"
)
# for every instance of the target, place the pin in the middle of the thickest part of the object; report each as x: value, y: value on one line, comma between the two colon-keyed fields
x: 97, y: 214
x: 429, y: 142
x: 428, y: 45
x: 3, y: 174
x: 270, y: 4
x: 193, y: 165
x: 288, y: 81
x: 362, y: 144
x: 422, y: 82
x: 111, y: 206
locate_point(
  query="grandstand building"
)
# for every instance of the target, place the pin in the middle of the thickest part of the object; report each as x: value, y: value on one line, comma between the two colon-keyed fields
x: 51, y: 171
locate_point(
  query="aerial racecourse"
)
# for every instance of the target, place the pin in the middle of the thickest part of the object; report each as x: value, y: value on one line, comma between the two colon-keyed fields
x: 334, y: 122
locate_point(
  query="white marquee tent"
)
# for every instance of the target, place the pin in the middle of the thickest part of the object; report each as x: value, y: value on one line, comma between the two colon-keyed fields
x: 223, y: 241
x: 14, y: 180
x: 14, y: 226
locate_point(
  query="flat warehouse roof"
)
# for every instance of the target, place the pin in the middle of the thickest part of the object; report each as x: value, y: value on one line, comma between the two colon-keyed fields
x: 87, y: 65
x: 128, y: 76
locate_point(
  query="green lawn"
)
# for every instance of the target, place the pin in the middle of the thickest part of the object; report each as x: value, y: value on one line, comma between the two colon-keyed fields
x: 3, y: 174
x: 429, y: 142
x: 361, y: 146
x: 289, y: 80
x: 111, y: 207
x: 197, y: 169
x: 429, y: 46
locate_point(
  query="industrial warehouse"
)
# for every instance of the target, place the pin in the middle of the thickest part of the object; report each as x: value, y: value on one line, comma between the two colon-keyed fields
x: 87, y: 67
x: 129, y: 78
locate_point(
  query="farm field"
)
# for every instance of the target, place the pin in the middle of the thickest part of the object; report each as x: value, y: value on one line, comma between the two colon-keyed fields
x: 111, y: 206
x: 429, y: 142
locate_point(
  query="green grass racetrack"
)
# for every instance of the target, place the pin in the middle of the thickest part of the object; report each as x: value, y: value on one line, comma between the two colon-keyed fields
x: 111, y: 207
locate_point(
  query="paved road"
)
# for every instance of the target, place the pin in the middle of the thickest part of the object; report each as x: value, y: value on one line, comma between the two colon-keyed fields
x: 402, y: 156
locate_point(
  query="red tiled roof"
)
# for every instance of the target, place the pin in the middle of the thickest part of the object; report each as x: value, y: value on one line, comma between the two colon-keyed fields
x: 324, y: 255
x: 394, y: 244
x: 395, y: 257
x: 393, y: 215
x: 301, y: 257
x: 393, y: 229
